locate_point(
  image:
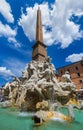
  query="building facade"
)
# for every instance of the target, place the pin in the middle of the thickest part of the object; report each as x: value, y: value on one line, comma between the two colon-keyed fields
x: 76, y: 73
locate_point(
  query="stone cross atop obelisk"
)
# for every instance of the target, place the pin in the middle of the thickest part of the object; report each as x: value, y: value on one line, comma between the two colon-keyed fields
x: 39, y: 48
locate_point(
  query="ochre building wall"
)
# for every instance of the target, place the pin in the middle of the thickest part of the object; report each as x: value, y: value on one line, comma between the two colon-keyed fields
x: 76, y: 73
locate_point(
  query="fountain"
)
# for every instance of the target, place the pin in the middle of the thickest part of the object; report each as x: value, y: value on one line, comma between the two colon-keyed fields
x: 39, y: 90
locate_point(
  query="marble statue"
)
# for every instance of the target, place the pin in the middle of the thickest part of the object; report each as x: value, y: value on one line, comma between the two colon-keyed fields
x: 39, y: 83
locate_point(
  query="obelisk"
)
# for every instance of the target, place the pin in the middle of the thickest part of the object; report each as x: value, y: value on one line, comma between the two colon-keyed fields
x: 39, y: 48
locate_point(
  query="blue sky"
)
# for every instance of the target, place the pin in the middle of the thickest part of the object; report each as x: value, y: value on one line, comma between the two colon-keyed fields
x: 62, y: 27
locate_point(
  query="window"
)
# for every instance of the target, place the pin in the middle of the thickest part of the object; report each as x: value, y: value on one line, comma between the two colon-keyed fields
x: 76, y: 67
x: 80, y: 81
x: 82, y: 63
x: 78, y: 74
x: 61, y: 72
x: 68, y: 70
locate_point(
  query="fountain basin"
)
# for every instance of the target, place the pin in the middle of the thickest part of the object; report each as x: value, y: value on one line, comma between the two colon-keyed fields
x: 11, y: 120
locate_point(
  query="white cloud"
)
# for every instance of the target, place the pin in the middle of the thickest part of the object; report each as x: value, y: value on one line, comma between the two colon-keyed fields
x: 5, y: 10
x: 5, y: 72
x: 15, y: 65
x: 63, y: 31
x: 6, y: 31
x: 17, y: 45
x: 74, y: 57
x: 28, y: 22
x: 13, y: 40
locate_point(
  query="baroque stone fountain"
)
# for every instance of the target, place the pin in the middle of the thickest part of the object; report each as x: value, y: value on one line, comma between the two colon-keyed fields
x: 39, y: 89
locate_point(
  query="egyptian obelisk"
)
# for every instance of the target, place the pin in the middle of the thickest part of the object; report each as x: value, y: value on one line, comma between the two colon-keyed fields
x: 39, y: 48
